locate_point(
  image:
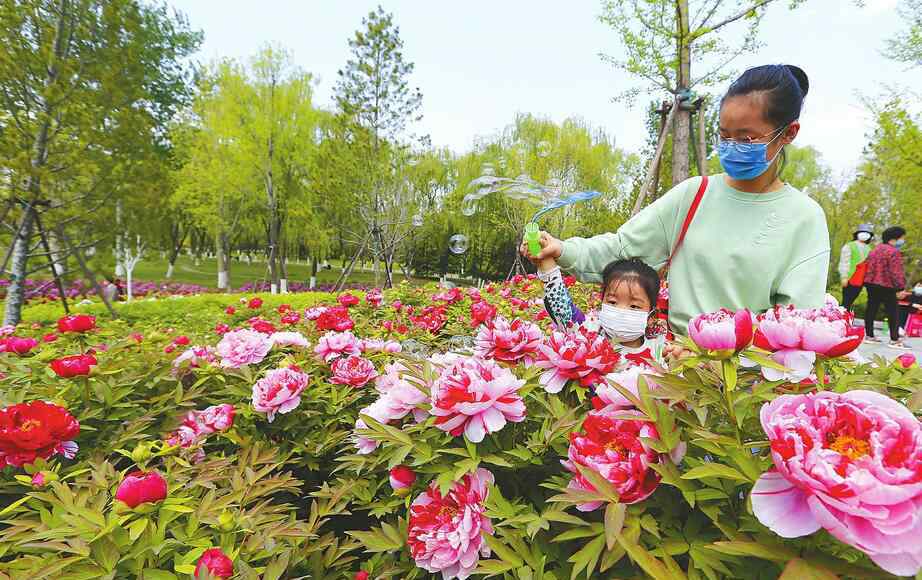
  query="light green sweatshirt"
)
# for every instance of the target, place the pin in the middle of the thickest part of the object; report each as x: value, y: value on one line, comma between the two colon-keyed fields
x: 742, y: 250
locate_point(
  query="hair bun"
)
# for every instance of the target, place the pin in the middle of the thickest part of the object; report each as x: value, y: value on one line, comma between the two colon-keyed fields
x: 801, y: 78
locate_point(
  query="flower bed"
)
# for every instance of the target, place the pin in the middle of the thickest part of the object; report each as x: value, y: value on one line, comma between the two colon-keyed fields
x: 47, y: 291
x: 453, y: 433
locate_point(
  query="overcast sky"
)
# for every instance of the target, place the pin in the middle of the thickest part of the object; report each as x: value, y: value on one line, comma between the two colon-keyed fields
x: 480, y: 62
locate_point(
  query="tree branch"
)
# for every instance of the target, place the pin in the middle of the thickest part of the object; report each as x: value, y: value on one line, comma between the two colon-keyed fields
x: 743, y: 13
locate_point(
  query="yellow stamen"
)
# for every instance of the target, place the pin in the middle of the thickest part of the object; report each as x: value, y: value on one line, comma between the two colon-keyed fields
x: 850, y: 447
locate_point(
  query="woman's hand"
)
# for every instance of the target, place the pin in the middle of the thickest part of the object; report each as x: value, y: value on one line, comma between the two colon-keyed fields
x: 551, y: 248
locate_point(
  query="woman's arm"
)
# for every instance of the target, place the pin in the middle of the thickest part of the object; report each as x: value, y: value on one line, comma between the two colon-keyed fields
x: 648, y: 236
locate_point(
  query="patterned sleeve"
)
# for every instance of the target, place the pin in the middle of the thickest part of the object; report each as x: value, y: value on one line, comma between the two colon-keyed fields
x: 899, y: 275
x: 557, y: 299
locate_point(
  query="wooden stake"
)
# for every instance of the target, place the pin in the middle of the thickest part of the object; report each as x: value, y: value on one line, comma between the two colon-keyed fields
x: 654, y: 163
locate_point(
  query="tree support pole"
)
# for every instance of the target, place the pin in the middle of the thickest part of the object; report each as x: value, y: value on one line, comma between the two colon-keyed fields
x: 654, y: 163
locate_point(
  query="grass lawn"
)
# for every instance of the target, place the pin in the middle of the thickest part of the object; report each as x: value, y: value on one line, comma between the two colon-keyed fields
x: 205, y: 274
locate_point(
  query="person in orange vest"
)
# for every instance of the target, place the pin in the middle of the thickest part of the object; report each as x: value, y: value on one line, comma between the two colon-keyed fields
x: 853, y: 264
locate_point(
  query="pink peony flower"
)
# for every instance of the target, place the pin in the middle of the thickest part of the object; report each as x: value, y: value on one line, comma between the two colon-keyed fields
x: 614, y: 449
x: 240, y: 348
x: 511, y: 343
x: 291, y: 318
x: 723, y: 333
x: 399, y: 397
x: 333, y: 345
x: 402, y: 477
x: 16, y: 345
x: 216, y: 563
x: 799, y: 365
x: 475, y: 397
x: 374, y: 297
x: 194, y: 357
x: 446, y: 531
x: 52, y: 336
x: 76, y: 323
x: 827, y: 331
x: 139, y: 487
x: 580, y: 355
x: 608, y: 396
x: 377, y: 345
x: 315, y: 312
x: 354, y: 370
x: 282, y: 339
x: 279, y: 392
x: 347, y: 300
x: 850, y: 463
x: 216, y: 417
x: 906, y: 360
x: 221, y: 329
x: 38, y: 480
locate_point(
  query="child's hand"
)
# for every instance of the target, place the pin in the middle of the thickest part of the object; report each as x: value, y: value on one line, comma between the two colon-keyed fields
x: 551, y: 248
x: 674, y: 351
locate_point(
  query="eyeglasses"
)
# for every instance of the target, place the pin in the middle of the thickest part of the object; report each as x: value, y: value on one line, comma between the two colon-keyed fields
x: 746, y: 144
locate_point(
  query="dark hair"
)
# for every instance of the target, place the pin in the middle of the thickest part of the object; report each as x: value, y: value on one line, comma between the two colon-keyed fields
x: 634, y: 270
x: 893, y: 233
x: 784, y: 87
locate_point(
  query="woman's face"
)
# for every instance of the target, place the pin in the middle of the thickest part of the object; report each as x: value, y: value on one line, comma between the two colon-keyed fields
x: 742, y: 119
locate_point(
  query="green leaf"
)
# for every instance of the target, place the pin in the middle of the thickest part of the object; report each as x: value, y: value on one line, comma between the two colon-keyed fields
x: 493, y: 567
x: 503, y: 551
x: 137, y: 528
x: 755, y: 549
x: 798, y: 569
x: 587, y: 558
x: 717, y: 470
x: 614, y: 521
x: 151, y: 574
x: 729, y: 372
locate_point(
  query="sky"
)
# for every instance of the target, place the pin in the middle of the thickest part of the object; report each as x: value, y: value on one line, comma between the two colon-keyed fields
x: 479, y: 63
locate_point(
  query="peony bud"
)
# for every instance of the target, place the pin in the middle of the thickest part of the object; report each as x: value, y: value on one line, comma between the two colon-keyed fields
x: 38, y: 480
x: 361, y: 575
x: 216, y: 563
x: 141, y: 487
x: 402, y: 478
x: 141, y: 453
x: 906, y: 360
x: 226, y: 522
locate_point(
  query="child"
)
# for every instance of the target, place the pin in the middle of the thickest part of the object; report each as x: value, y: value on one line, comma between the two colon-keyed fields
x: 630, y: 289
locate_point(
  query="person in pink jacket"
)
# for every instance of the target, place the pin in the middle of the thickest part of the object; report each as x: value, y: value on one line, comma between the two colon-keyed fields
x: 885, y: 281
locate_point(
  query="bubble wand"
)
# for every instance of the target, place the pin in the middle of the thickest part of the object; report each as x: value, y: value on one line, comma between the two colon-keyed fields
x: 533, y: 234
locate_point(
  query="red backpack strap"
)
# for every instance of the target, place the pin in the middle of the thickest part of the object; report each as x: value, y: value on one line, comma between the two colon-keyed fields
x: 688, y: 218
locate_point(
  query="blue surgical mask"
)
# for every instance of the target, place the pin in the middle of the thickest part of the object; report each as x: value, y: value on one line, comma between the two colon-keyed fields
x: 899, y: 243
x: 745, y: 161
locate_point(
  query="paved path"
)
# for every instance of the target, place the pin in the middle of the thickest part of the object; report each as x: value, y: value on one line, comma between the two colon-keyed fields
x: 869, y: 349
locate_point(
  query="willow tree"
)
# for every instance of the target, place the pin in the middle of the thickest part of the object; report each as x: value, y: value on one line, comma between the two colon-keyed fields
x: 662, y: 39
x: 907, y: 46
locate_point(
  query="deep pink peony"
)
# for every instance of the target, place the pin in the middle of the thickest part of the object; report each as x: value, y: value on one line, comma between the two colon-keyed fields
x: 294, y: 339
x: 336, y: 318
x: 850, y: 463
x: 347, y: 300
x: 402, y: 477
x: 240, y: 348
x: 482, y: 312
x: 192, y: 358
x: 374, y: 297
x: 198, y: 425
x: 581, y: 355
x: 906, y: 360
x: 355, y: 371
x: 255, y: 303
x: 76, y: 365
x: 17, y: 345
x: 723, y: 332
x: 514, y: 343
x: 279, y: 392
x: 827, y: 331
x: 141, y: 487
x: 76, y: 323
x: 613, y: 448
x: 333, y: 345
x: 446, y: 531
x: 475, y: 397
x: 216, y: 563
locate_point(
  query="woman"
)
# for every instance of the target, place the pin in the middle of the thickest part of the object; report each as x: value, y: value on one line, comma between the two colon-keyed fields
x: 885, y: 281
x: 912, y: 304
x: 852, y: 264
x: 754, y: 241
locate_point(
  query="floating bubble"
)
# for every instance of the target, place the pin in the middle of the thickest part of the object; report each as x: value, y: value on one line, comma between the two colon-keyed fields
x: 461, y: 344
x: 418, y: 220
x: 544, y: 149
x: 458, y: 243
x: 414, y: 349
x: 469, y: 205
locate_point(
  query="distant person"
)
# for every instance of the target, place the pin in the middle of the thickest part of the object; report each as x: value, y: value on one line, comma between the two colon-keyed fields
x: 885, y: 280
x: 912, y: 303
x: 853, y: 264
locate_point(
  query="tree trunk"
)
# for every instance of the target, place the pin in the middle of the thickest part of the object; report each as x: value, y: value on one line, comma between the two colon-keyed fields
x: 702, y: 138
x: 16, y: 292
x: 682, y: 120
x: 314, y: 267
x: 119, y: 240
x: 223, y: 259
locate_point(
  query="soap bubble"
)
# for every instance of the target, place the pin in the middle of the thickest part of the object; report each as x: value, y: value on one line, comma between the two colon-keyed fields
x: 458, y: 243
x: 414, y: 349
x: 418, y: 220
x: 469, y: 205
x: 544, y: 149
x: 461, y: 344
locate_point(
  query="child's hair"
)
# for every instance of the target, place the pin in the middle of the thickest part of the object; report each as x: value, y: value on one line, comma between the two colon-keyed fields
x: 633, y: 270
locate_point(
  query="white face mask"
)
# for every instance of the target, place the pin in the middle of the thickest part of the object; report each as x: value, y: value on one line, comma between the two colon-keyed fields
x: 623, y: 324
x: 863, y: 236
x: 917, y: 290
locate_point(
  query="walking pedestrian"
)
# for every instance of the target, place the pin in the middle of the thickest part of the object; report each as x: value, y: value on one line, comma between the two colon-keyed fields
x: 885, y: 280
x: 853, y: 264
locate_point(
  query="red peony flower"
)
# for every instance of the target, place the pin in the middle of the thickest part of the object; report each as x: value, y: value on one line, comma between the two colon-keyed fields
x: 482, y: 312
x: 76, y: 323
x: 354, y: 370
x: 582, y: 355
x: 347, y: 300
x: 255, y: 303
x: 216, y: 563
x: 230, y: 311
x: 446, y: 532
x: 511, y: 343
x: 291, y: 317
x: 168, y: 349
x: 50, y: 337
x: 141, y: 487
x: 221, y: 329
x: 374, y: 297
x: 402, y: 477
x: 283, y: 308
x: 613, y: 448
x: 181, y: 340
x: 336, y: 318
x: 432, y: 319
x: 73, y: 366
x: 361, y: 575
x: 17, y: 345
x: 36, y: 429
x: 569, y: 281
x: 263, y: 326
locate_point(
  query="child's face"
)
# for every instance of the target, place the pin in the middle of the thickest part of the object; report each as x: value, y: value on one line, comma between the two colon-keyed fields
x: 627, y: 294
